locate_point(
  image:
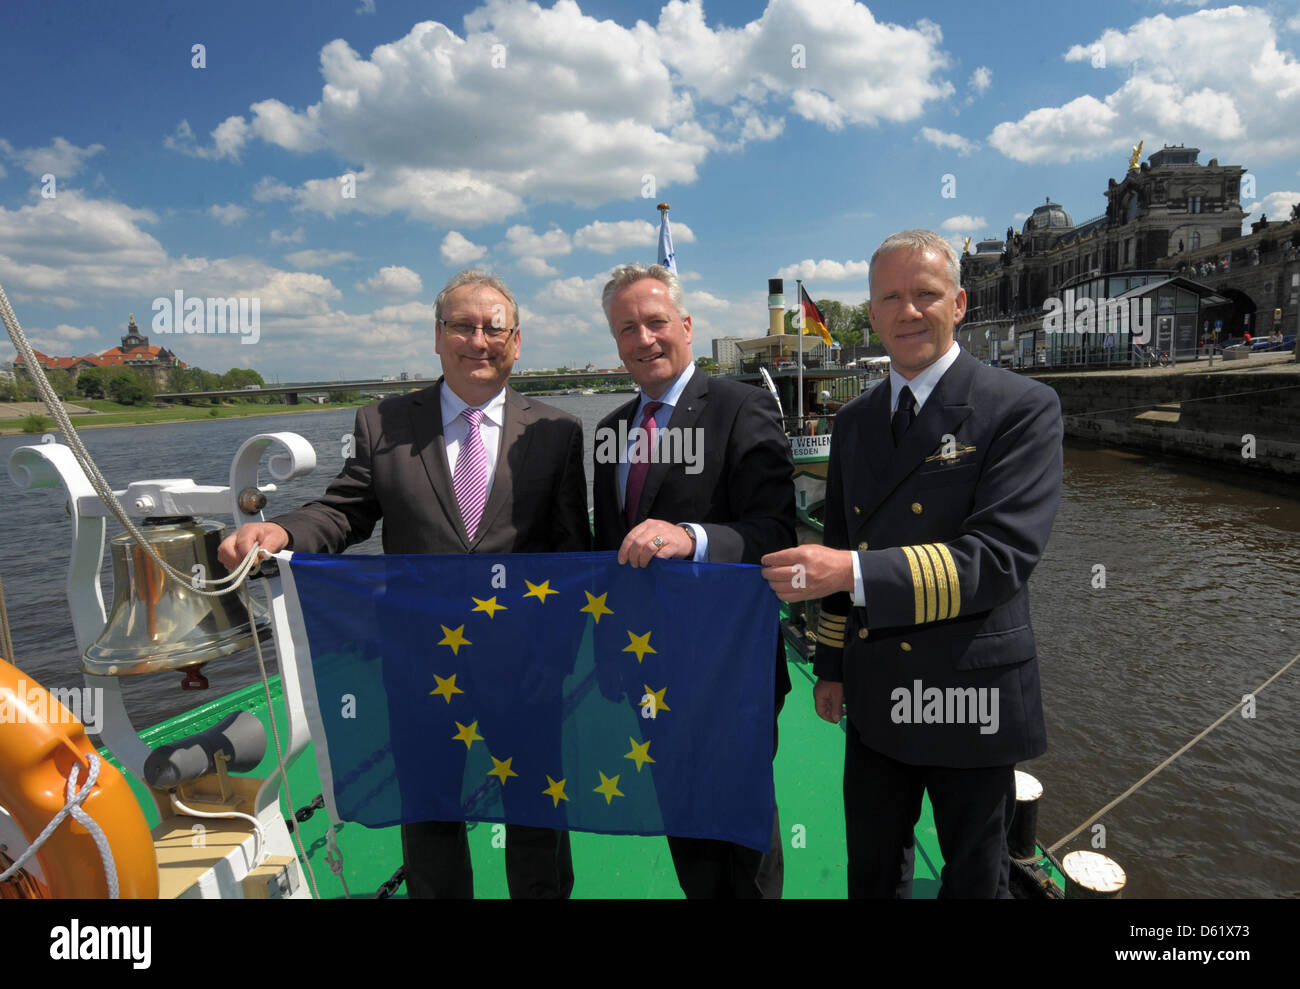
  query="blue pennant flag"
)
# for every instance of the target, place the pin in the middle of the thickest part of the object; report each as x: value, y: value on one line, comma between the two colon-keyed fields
x: 551, y: 690
x: 667, y: 256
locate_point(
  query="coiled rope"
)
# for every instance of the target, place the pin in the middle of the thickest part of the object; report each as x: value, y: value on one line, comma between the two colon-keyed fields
x: 73, y: 799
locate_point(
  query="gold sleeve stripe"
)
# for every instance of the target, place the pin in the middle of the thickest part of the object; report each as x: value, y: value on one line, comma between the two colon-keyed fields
x: 927, y: 575
x: 825, y: 619
x: 954, y: 586
x: 940, y: 579
x: 831, y: 641
x: 917, y: 591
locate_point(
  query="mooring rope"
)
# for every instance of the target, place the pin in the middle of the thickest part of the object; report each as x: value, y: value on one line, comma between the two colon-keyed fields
x: 1151, y: 775
x: 6, y: 639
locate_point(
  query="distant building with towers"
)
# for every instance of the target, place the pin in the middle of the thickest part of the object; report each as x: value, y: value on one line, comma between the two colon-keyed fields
x: 135, y: 353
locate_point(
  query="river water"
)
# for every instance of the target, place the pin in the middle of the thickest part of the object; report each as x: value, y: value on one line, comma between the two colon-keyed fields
x: 1200, y: 604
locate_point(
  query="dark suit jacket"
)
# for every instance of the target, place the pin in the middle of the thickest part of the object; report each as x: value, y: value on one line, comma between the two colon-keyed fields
x: 946, y: 544
x: 399, y: 471
x: 744, y: 494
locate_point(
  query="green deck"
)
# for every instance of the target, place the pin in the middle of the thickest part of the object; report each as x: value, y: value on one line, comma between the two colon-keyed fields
x: 809, y: 764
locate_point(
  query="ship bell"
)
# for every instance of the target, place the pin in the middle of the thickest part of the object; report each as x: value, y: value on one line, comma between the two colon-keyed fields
x: 159, y: 623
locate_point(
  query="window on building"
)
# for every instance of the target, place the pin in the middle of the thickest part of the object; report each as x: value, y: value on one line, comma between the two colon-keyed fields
x: 1196, y: 239
x: 1193, y: 204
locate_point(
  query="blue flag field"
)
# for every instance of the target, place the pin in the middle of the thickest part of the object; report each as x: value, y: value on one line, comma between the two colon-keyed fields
x: 552, y: 690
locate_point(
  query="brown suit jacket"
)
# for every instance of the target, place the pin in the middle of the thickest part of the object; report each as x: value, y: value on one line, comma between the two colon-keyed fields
x: 399, y: 472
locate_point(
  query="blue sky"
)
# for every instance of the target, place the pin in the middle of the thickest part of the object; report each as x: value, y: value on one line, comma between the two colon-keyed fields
x: 790, y: 138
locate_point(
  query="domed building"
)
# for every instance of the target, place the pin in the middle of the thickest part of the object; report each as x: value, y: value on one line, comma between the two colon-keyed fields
x: 1167, y: 205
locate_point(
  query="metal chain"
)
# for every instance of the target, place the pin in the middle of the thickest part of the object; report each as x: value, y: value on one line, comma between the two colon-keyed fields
x: 391, y: 886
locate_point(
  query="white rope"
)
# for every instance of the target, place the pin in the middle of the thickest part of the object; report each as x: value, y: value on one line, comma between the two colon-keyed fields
x: 97, y: 481
x: 1151, y: 775
x: 74, y: 799
x: 279, y: 751
x: 257, y: 825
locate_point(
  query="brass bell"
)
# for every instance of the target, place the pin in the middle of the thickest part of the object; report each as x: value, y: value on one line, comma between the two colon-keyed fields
x: 159, y: 623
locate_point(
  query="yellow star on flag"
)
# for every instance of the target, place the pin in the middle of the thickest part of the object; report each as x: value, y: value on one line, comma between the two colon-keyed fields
x: 490, y: 606
x: 609, y: 788
x: 468, y: 735
x: 446, y: 687
x: 539, y: 591
x: 454, y: 638
x: 555, y: 791
x: 596, y: 605
x: 640, y: 753
x: 501, y: 770
x: 639, y: 644
x: 657, y: 704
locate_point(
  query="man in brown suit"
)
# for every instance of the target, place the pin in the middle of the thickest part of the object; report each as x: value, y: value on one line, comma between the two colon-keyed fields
x: 529, y: 493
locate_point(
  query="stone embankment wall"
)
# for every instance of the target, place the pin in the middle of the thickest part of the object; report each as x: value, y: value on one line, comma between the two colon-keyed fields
x: 1217, y: 416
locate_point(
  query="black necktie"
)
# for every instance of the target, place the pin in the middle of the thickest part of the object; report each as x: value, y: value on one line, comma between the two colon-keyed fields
x: 904, y: 416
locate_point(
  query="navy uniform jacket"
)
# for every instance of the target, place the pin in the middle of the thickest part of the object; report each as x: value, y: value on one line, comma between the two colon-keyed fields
x: 947, y: 528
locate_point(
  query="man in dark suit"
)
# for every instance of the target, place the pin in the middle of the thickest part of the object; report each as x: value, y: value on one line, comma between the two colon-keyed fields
x: 466, y: 466
x: 727, y: 496
x: 940, y: 497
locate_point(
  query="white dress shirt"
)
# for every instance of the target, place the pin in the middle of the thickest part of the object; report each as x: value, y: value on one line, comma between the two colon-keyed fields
x: 922, y: 386
x: 455, y: 430
x: 670, y: 398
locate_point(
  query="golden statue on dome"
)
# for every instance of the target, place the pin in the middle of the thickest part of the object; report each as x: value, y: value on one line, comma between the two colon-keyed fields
x: 1133, y: 160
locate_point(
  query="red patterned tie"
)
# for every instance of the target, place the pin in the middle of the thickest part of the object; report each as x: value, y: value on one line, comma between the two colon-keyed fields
x: 470, y: 479
x: 640, y: 467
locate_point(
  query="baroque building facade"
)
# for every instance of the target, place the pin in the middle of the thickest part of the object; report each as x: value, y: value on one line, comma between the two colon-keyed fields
x: 1168, y: 217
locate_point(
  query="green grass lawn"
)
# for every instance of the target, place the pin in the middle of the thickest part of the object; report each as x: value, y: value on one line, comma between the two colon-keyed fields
x: 108, y: 413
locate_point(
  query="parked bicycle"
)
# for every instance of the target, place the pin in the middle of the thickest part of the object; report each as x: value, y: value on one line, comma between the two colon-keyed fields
x: 1148, y: 356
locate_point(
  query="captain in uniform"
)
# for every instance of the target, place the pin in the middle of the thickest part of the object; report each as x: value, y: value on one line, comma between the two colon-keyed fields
x: 941, y: 493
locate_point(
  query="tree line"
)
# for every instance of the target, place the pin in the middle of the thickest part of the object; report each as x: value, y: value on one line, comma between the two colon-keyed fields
x: 849, y: 326
x: 124, y: 385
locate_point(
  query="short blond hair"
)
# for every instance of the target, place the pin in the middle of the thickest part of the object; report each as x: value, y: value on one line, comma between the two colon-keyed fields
x: 921, y: 241
x: 628, y: 274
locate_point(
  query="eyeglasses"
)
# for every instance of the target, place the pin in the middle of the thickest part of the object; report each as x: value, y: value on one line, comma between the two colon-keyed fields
x: 496, y: 334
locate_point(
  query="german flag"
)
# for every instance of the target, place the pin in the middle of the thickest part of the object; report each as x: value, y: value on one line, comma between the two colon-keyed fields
x: 812, y: 317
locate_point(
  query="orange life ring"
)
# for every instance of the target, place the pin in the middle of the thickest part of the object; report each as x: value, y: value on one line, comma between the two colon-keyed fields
x: 40, y: 742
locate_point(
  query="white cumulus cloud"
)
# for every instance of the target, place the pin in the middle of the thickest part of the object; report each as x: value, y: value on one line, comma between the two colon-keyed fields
x: 1213, y: 78
x: 963, y: 224
x: 60, y: 157
x: 458, y: 250
x: 566, y: 107
x: 319, y: 258
x: 825, y: 270
x: 944, y: 139
x: 229, y: 214
x: 617, y: 235
x: 393, y: 281
x: 536, y: 266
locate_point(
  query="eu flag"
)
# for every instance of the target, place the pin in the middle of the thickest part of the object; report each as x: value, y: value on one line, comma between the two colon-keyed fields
x: 552, y: 690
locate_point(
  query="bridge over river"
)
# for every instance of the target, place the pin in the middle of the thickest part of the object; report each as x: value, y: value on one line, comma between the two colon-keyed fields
x: 294, y: 393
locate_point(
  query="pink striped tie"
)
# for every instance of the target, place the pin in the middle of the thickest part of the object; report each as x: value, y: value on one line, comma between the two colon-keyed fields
x: 640, y: 467
x: 470, y: 478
